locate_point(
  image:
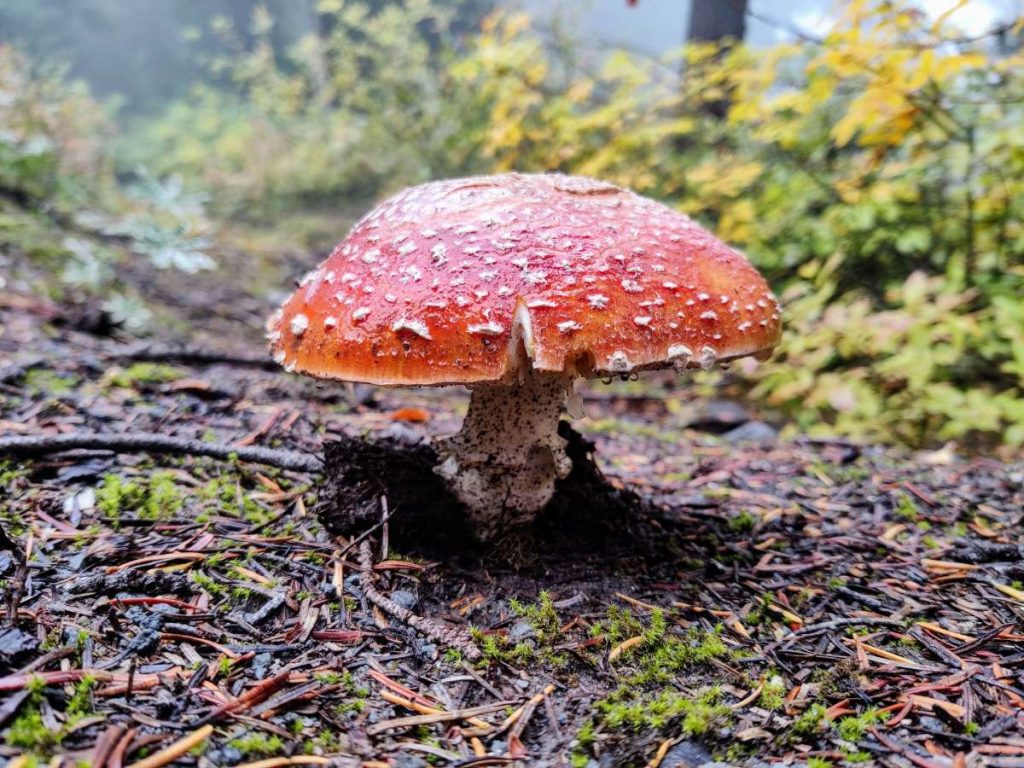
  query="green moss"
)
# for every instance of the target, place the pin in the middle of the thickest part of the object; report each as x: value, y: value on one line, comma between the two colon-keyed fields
x: 905, y: 508
x: 737, y: 753
x: 9, y: 472
x: 854, y: 727
x: 143, y: 373
x: 842, y: 473
x: 547, y: 633
x: 647, y: 697
x: 695, y: 715
x: 773, y: 693
x: 28, y: 731
x: 496, y: 648
x: 858, y: 757
x: 329, y: 677
x: 542, y: 616
x: 809, y: 724
x: 762, y: 612
x: 41, y: 381
x: 209, y: 585
x: 256, y: 744
x: 744, y: 522
x: 348, y: 684
x: 352, y: 706
x: 326, y: 741
x: 224, y: 494
x: 153, y: 497
x: 818, y: 762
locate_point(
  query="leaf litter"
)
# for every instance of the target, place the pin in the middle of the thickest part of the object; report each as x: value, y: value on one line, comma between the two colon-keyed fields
x: 809, y: 601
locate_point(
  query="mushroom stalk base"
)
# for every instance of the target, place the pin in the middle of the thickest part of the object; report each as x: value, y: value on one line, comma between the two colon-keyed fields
x: 504, y: 462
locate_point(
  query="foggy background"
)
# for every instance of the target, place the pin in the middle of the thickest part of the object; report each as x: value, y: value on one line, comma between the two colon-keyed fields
x: 145, y: 54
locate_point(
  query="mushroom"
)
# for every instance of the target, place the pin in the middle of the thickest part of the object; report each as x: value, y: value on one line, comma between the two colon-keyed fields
x: 516, y: 286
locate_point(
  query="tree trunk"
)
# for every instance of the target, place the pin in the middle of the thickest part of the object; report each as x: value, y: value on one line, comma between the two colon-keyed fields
x: 722, y: 22
x: 715, y: 20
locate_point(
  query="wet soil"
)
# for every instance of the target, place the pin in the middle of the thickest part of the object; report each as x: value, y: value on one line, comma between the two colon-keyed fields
x: 823, y: 601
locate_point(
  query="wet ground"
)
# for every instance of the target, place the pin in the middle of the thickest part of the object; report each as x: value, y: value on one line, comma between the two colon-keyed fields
x: 756, y: 601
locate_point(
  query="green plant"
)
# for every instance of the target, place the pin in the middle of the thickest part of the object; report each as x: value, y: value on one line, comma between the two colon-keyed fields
x: 28, y: 730
x: 879, y: 186
x: 809, y: 724
x: 152, y: 497
x: 853, y: 728
x: 257, y: 744
x: 875, y: 175
x: 648, y: 696
x: 61, y: 208
x: 362, y: 107
x: 542, y: 616
x: 143, y: 373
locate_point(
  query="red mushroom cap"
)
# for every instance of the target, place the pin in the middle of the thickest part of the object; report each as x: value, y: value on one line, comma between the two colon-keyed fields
x: 444, y: 282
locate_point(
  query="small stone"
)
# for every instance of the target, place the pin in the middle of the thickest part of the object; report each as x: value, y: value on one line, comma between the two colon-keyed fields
x: 686, y: 754
x: 718, y: 416
x: 260, y: 666
x: 401, y: 432
x: 229, y: 756
x: 405, y: 599
x: 427, y: 650
x: 520, y: 631
x: 404, y: 760
x: 352, y: 586
x: 751, y: 432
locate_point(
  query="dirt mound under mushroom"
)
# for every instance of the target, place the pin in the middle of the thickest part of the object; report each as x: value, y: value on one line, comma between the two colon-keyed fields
x: 587, y: 513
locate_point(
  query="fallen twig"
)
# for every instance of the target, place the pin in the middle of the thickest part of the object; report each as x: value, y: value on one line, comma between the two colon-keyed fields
x: 178, y: 353
x: 436, y: 717
x: 172, y: 752
x: 449, y: 636
x: 827, y: 626
x: 146, y: 442
x: 250, y: 698
x: 278, y: 762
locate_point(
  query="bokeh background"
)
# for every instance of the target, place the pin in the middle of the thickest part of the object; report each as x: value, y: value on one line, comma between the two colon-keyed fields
x: 868, y: 156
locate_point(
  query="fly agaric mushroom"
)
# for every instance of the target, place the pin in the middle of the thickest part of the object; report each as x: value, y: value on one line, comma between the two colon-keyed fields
x: 515, y: 286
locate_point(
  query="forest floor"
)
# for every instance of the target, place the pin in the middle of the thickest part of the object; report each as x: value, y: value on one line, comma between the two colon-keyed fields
x: 767, y: 601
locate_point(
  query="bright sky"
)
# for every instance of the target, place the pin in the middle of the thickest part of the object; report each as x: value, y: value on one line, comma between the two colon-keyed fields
x: 816, y: 17
x: 656, y: 26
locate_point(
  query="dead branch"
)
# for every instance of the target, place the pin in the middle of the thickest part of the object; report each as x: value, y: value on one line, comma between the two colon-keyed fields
x: 188, y: 355
x: 146, y: 442
x: 449, y: 636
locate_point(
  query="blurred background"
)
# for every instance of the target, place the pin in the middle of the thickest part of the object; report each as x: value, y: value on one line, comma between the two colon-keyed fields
x: 175, y: 163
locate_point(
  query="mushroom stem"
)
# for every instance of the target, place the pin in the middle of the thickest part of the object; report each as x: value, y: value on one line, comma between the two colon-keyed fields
x: 504, y: 462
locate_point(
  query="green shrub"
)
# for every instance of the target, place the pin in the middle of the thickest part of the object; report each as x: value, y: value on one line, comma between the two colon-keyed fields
x: 349, y: 114
x: 876, y: 176
x: 62, y: 212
